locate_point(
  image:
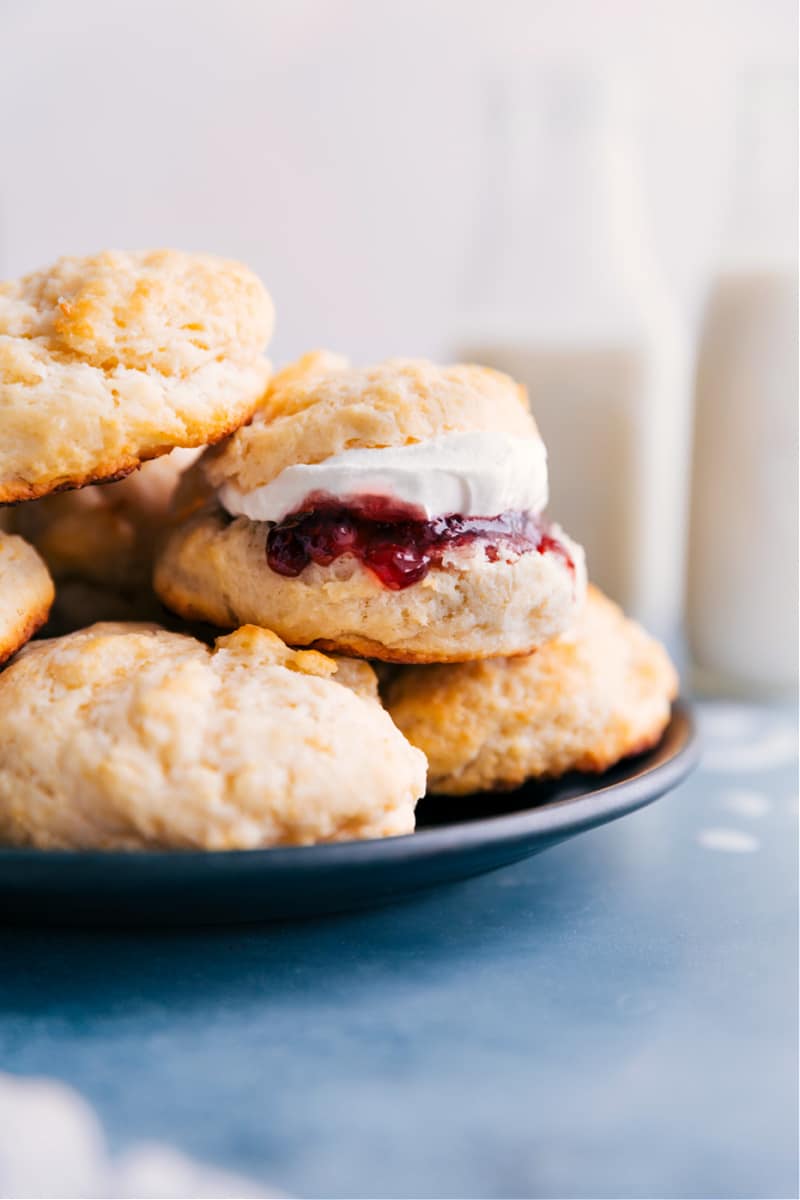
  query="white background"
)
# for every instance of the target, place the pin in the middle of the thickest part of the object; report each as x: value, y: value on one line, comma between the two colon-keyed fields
x: 337, y: 145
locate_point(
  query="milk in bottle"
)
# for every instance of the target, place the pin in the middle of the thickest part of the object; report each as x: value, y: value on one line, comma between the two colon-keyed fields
x: 742, y: 586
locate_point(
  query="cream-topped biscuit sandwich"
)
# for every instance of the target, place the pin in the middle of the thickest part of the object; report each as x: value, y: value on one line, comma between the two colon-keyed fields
x: 395, y: 511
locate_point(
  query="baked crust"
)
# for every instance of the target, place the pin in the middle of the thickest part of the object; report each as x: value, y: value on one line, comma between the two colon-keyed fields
x: 105, y: 535
x: 131, y: 737
x: 580, y: 703
x: 320, y: 406
x: 113, y: 359
x: 26, y: 594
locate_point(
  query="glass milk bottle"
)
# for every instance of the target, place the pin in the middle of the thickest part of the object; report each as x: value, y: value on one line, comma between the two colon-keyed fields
x: 742, y: 584
x: 574, y: 306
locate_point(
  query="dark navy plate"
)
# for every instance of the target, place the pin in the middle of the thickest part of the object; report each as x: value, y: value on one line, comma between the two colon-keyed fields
x: 455, y: 838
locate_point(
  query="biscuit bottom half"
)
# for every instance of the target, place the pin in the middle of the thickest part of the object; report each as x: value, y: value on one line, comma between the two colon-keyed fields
x: 581, y: 703
x: 466, y: 607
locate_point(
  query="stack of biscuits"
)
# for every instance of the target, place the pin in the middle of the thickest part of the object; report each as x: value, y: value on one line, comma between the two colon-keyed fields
x: 276, y: 639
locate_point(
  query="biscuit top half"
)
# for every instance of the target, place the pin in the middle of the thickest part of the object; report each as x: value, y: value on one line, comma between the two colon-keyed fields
x: 320, y: 406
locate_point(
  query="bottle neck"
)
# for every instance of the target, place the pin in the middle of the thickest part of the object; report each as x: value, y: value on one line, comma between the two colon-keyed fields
x: 762, y: 218
x: 568, y: 245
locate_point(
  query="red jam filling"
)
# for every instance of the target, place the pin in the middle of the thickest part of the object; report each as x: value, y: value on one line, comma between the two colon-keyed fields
x: 397, y: 543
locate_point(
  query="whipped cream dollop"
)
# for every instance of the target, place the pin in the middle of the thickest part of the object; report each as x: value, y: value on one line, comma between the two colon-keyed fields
x: 476, y: 474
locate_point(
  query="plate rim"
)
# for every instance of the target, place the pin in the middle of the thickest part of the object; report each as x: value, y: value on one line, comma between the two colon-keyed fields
x: 570, y: 814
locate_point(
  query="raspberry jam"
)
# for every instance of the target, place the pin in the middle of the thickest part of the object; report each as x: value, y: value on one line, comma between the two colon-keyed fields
x: 397, y: 543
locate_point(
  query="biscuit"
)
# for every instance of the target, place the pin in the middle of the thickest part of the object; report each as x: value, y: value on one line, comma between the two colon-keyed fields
x: 99, y: 542
x: 129, y: 737
x: 372, y: 585
x: 320, y: 406
x: 580, y: 703
x: 26, y: 593
x: 215, y: 570
x: 113, y: 359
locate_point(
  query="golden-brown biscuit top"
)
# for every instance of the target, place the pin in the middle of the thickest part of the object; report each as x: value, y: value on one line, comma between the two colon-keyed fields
x: 128, y: 736
x: 153, y: 309
x: 112, y: 359
x: 321, y: 406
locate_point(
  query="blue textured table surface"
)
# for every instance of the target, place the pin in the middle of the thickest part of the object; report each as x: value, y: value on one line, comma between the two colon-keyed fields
x: 614, y: 1018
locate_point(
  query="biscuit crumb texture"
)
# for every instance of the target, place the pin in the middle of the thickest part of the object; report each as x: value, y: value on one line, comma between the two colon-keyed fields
x: 215, y: 570
x: 320, y: 406
x: 112, y: 359
x: 580, y: 703
x: 104, y: 537
x: 26, y: 593
x: 131, y: 737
